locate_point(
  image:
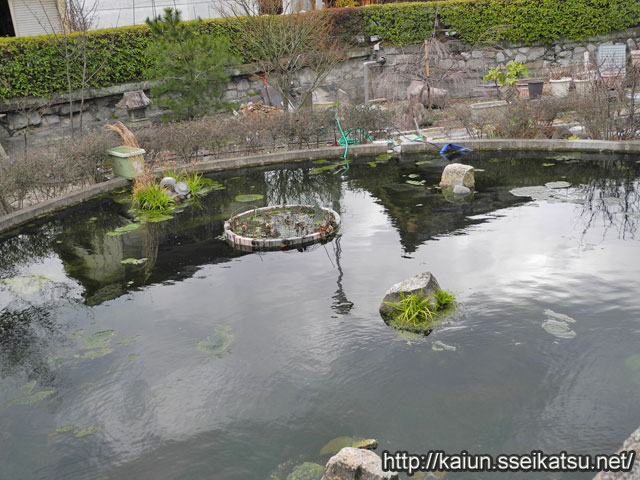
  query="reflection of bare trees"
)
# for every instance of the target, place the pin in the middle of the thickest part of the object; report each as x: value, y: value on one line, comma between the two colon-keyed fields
x: 30, y: 323
x: 292, y: 187
x: 613, y: 200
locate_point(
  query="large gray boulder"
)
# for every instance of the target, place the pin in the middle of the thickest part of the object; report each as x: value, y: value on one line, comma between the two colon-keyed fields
x: 457, y: 174
x: 356, y: 464
x: 429, y: 97
x: 632, y: 443
x: 424, y: 284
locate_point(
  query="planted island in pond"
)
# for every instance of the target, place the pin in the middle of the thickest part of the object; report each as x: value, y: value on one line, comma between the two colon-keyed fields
x: 417, y: 313
x: 417, y: 304
x: 280, y: 227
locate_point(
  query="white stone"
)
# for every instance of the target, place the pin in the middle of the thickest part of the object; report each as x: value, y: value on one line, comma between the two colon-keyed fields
x: 356, y: 464
x: 461, y: 191
x: 457, y: 174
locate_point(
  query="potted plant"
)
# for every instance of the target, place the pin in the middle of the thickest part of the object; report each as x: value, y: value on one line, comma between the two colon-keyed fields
x: 559, y: 82
x: 582, y: 82
x: 535, y: 86
x: 127, y: 160
x: 506, y: 80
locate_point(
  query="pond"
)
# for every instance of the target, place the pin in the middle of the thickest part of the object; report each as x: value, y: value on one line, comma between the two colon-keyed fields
x: 161, y: 352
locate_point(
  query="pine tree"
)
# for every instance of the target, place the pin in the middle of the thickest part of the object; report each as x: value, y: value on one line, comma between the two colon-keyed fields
x: 190, y: 65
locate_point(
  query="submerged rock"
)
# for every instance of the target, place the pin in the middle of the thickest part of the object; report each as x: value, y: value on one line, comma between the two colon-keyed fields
x: 557, y: 324
x: 424, y: 284
x: 306, y: 471
x: 557, y: 185
x: 631, y: 443
x: 356, y: 464
x: 339, y: 443
x: 439, y: 346
x: 218, y: 344
x: 561, y: 317
x: 461, y: 190
x: 457, y: 174
x: 558, y: 329
x: 367, y: 444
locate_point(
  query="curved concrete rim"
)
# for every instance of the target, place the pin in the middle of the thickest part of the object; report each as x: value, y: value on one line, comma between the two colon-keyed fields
x: 249, y: 244
x: 25, y: 215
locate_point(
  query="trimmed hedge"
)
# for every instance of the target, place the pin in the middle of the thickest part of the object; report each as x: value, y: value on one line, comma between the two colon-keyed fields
x: 34, y: 66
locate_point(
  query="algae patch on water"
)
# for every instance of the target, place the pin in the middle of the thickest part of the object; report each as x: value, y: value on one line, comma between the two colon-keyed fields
x: 439, y: 346
x: 75, y: 430
x: 338, y: 443
x: 97, y: 345
x: 130, y: 227
x: 98, y: 339
x: 85, y: 432
x: 384, y: 157
x: 133, y: 261
x: 249, y: 197
x: 217, y: 344
x: 326, y: 168
x: 306, y: 471
x: 632, y: 363
x: 28, y: 396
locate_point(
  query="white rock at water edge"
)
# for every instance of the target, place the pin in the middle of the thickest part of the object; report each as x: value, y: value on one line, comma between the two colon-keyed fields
x: 356, y: 464
x: 458, y: 174
x: 461, y: 191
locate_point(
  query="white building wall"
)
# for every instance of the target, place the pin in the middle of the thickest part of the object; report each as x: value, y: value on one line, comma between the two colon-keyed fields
x: 118, y: 13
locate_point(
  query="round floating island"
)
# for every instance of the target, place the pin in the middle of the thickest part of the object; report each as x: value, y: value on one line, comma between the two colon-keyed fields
x: 281, y: 227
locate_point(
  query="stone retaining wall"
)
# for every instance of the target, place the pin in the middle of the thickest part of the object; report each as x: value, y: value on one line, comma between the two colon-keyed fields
x: 48, y: 122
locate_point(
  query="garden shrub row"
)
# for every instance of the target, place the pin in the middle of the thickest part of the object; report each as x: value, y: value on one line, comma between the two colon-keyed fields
x: 34, y: 66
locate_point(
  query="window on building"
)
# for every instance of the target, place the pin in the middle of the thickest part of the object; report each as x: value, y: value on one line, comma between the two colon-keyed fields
x: 6, y: 24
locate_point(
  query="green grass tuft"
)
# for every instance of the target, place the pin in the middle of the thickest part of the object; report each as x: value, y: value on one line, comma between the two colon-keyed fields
x: 152, y: 197
x: 417, y: 313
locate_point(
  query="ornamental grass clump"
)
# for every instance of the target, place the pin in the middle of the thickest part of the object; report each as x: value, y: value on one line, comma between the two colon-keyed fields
x: 417, y: 313
x: 152, y: 196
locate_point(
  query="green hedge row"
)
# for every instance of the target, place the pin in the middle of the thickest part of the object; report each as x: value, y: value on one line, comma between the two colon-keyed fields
x: 35, y: 66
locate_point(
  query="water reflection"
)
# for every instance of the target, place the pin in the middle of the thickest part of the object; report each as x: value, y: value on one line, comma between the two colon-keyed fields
x: 310, y: 359
x: 177, y: 248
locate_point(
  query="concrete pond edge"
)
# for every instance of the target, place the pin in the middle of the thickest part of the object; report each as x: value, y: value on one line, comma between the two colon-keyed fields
x: 26, y: 215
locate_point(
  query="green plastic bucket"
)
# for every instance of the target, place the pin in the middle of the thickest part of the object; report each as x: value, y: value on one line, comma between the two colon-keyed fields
x: 127, y: 162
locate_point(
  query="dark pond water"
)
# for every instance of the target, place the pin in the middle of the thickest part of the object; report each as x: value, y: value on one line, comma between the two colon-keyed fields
x: 203, y: 362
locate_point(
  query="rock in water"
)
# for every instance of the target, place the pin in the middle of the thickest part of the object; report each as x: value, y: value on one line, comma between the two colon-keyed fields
x: 367, y: 444
x: 356, y: 464
x: 306, y: 471
x: 461, y: 191
x: 457, y: 174
x: 423, y: 283
x: 632, y: 443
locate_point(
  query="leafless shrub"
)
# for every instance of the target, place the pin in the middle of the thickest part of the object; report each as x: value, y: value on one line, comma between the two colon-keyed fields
x: 305, y: 128
x: 607, y: 108
x: 529, y: 119
x: 373, y: 119
x: 478, y: 124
